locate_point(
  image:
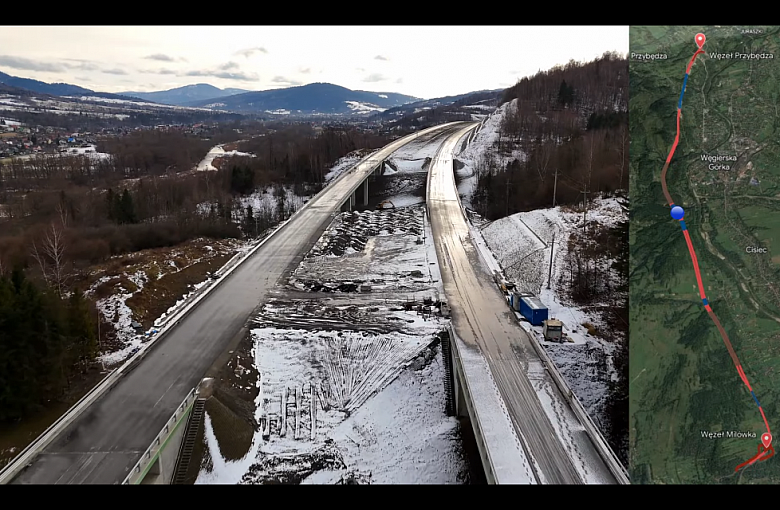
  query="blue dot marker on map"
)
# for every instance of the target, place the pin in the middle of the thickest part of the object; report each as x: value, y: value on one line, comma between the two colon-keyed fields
x: 677, y: 212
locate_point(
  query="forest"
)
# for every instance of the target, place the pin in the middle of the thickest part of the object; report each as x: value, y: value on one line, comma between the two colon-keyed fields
x: 46, y: 341
x: 60, y: 215
x: 564, y: 137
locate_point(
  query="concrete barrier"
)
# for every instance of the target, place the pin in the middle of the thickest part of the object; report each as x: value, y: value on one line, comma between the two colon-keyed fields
x: 13, y: 468
x: 484, y: 451
x: 610, y: 459
x: 151, y: 455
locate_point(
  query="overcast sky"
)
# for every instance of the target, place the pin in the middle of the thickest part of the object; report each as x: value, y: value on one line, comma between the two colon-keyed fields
x: 424, y: 62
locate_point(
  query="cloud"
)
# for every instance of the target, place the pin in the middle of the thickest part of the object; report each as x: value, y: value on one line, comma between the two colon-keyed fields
x: 285, y: 81
x: 251, y: 51
x: 399, y: 80
x: 239, y: 76
x: 30, y: 65
x: 84, y: 65
x: 159, y: 71
x: 380, y: 57
x: 69, y: 64
x: 305, y: 71
x: 374, y: 77
x: 161, y: 57
x: 227, y: 71
x: 82, y: 78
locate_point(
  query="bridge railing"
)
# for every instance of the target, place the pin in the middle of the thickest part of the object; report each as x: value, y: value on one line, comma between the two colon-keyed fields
x: 607, y: 454
x: 147, y: 460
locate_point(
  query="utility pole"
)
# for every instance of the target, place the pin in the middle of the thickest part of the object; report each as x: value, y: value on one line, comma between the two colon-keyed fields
x: 584, y: 209
x: 506, y: 199
x: 555, y: 185
x: 552, y: 249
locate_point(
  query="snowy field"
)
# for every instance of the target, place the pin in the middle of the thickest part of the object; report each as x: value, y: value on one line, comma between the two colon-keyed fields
x: 217, y: 152
x: 376, y: 416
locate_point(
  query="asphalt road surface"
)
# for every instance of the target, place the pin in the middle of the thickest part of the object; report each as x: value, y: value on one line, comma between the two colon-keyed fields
x: 482, y: 320
x: 103, y: 444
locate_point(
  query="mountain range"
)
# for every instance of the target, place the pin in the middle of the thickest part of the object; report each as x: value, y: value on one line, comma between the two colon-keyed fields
x: 312, y: 99
x: 184, y: 96
x: 53, y: 89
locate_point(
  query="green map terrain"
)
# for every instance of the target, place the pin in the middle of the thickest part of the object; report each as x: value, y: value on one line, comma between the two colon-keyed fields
x: 682, y: 380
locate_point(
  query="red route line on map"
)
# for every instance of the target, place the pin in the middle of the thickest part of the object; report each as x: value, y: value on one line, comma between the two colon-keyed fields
x: 765, y: 453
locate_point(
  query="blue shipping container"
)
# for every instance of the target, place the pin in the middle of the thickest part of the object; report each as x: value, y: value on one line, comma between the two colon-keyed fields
x: 534, y: 310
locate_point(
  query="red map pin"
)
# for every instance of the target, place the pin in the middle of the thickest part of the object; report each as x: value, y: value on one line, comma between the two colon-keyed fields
x: 700, y: 38
x: 766, y: 438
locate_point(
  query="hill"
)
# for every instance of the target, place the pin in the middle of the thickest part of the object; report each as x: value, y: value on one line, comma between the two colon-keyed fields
x: 468, y: 98
x: 53, y: 89
x: 183, y: 96
x: 311, y: 99
x: 422, y: 114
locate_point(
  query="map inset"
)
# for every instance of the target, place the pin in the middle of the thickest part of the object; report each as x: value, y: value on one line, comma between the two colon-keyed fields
x: 704, y: 114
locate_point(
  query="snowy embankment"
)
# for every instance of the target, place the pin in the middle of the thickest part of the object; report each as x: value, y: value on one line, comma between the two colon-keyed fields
x: 474, y: 155
x: 520, y: 246
x: 345, y: 163
x: 115, y: 310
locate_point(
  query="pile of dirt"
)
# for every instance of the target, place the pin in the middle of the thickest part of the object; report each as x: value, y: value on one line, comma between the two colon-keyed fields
x: 291, y: 469
x: 318, y: 315
x: 351, y: 230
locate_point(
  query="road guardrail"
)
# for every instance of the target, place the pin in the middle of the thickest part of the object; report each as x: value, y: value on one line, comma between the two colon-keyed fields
x: 142, y: 467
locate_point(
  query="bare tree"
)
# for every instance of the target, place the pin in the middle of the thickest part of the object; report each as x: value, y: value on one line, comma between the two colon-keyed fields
x: 51, y: 258
x: 62, y: 211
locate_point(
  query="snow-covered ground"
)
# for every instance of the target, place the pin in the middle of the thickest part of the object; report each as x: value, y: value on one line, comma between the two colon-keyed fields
x: 115, y: 310
x: 373, y: 368
x: 379, y: 410
x: 139, y: 102
x: 218, y: 152
x: 344, y: 164
x: 263, y: 202
x: 89, y: 152
x: 11, y: 101
x: 378, y: 248
x: 206, y: 163
x: 480, y: 147
x: 358, y: 107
